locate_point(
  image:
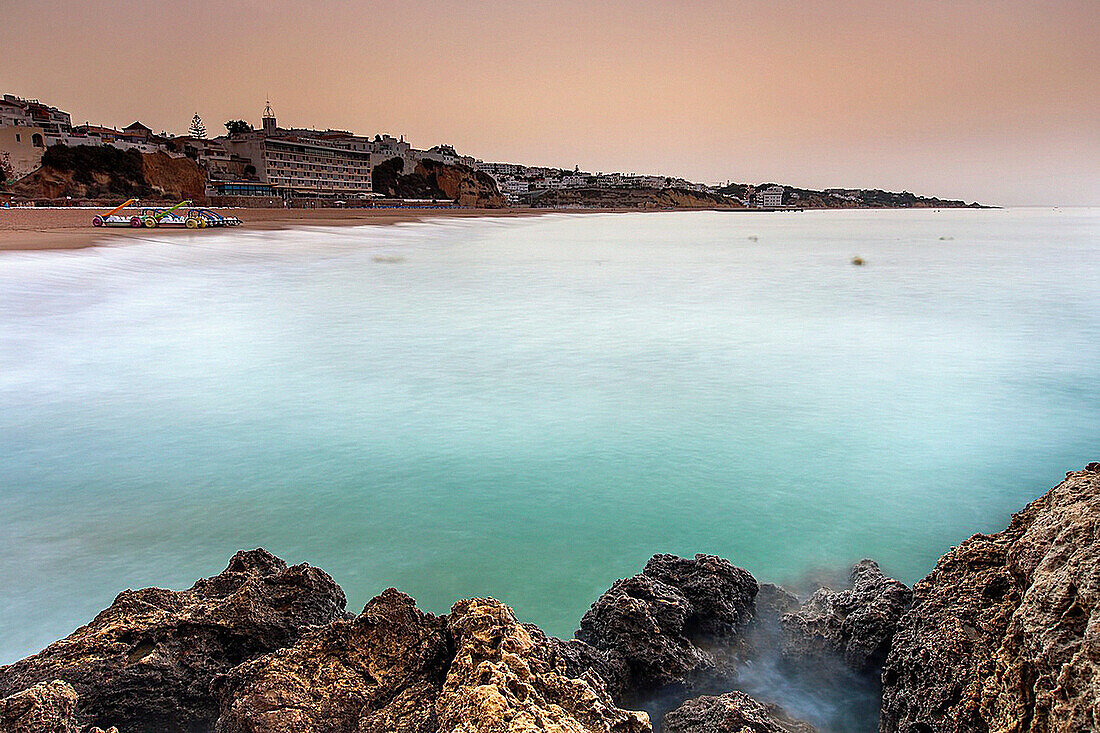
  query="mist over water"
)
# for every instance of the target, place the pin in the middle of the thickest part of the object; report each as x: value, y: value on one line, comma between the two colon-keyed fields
x: 529, y: 409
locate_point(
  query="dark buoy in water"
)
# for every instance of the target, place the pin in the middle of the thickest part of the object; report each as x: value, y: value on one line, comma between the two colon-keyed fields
x: 857, y: 261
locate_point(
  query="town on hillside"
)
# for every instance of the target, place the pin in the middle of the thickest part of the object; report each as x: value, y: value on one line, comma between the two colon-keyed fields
x: 271, y: 165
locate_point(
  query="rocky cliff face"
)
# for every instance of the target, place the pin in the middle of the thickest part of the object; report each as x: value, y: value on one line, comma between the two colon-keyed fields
x: 96, y: 172
x: 732, y: 712
x: 47, y: 707
x: 148, y: 661
x: 1001, y: 636
x: 1004, y: 634
x: 435, y: 180
x: 380, y: 671
x: 855, y: 624
x: 664, y: 622
x: 632, y: 198
x: 394, y: 668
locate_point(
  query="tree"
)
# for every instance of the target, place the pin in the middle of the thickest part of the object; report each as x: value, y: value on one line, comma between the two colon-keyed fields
x: 197, y: 129
x: 237, y: 127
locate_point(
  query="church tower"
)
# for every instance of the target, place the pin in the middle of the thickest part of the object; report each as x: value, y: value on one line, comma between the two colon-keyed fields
x: 269, y: 124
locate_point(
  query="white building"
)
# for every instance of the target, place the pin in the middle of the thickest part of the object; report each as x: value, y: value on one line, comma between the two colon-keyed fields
x: 770, y: 198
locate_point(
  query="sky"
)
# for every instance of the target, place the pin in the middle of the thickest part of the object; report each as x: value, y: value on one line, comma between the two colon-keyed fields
x: 995, y: 101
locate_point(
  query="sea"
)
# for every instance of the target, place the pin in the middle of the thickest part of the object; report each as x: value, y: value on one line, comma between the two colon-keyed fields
x: 529, y: 408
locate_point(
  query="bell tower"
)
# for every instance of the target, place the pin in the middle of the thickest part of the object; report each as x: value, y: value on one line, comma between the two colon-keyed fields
x: 269, y: 124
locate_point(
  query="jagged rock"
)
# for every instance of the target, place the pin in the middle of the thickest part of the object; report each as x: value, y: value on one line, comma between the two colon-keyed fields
x: 395, y: 668
x: 855, y: 624
x: 500, y: 680
x: 1004, y: 633
x: 773, y: 601
x: 662, y: 621
x: 379, y: 672
x: 733, y: 712
x: 146, y: 662
x: 47, y: 707
x: 575, y: 658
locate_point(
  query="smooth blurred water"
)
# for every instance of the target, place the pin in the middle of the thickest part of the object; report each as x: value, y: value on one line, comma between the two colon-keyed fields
x: 530, y: 408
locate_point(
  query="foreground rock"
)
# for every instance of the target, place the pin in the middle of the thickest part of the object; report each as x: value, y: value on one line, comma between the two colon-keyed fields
x: 1004, y: 634
x: 380, y: 671
x: 733, y: 712
x: 395, y: 668
x: 147, y: 661
x: 48, y: 707
x: 664, y: 622
x: 855, y: 624
x: 503, y: 679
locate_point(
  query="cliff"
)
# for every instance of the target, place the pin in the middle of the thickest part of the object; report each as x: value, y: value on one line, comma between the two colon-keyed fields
x: 631, y: 198
x: 849, y: 198
x: 1000, y: 636
x: 1004, y: 633
x: 97, y: 172
x: 434, y: 180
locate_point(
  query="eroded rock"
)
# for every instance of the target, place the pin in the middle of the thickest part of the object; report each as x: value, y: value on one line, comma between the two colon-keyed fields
x: 502, y: 679
x: 732, y: 712
x: 47, y: 707
x: 395, y: 668
x: 147, y: 661
x: 378, y: 672
x: 664, y: 621
x: 1004, y: 633
x: 855, y: 624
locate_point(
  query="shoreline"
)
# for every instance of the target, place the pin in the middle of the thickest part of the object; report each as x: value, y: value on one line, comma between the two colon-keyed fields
x: 266, y: 647
x: 36, y: 229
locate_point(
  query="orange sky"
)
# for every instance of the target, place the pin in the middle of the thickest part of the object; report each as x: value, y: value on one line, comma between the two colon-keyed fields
x: 995, y: 101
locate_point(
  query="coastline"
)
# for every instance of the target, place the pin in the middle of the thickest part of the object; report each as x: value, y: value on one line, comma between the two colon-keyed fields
x: 266, y: 647
x: 37, y: 229
x: 31, y: 229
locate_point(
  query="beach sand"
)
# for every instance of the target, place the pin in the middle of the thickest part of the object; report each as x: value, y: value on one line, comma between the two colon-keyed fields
x: 41, y: 228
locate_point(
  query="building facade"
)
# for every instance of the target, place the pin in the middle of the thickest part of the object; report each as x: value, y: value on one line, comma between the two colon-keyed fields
x: 18, y: 111
x: 21, y: 148
x: 304, y: 167
x: 770, y: 198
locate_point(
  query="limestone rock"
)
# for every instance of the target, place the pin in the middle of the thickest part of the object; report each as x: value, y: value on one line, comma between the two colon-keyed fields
x: 47, y: 707
x: 774, y: 601
x: 147, y: 661
x: 395, y: 668
x: 501, y: 680
x: 1004, y: 633
x: 855, y: 624
x: 733, y: 712
x: 379, y: 672
x: 662, y: 622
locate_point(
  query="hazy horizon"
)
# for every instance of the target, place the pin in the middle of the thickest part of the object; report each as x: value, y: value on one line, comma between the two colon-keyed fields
x: 971, y: 100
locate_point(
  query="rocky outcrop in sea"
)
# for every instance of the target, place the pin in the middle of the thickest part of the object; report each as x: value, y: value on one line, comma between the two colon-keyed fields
x: 1004, y: 633
x: 1000, y: 636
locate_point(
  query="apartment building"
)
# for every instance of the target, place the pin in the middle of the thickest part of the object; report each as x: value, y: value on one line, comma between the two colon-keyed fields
x: 770, y: 198
x: 30, y: 112
x: 297, y: 166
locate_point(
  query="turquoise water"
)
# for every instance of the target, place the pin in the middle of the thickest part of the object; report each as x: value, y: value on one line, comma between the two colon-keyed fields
x: 530, y: 408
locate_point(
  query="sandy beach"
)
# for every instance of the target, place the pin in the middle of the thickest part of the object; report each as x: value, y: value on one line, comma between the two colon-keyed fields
x: 41, y: 228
